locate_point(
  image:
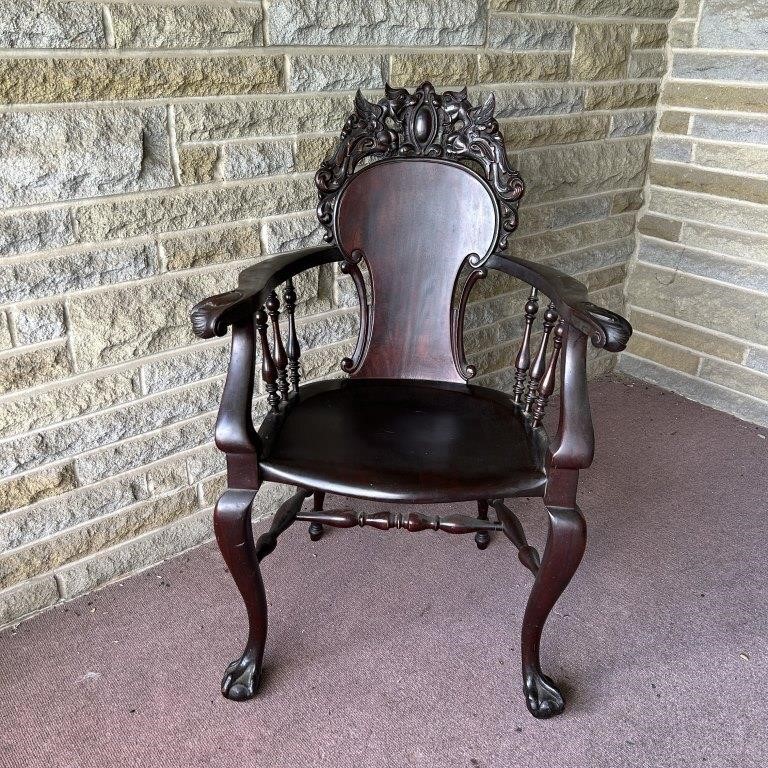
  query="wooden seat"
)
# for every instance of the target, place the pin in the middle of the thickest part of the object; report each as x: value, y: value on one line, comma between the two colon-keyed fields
x: 392, y: 440
x: 418, y: 201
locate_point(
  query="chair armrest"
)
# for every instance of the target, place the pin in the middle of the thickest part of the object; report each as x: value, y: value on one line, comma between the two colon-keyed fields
x: 212, y: 316
x: 606, y: 329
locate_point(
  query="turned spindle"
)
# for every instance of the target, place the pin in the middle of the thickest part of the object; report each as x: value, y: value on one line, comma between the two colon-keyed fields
x: 539, y: 366
x: 547, y: 385
x: 281, y: 361
x: 292, y: 350
x: 268, y: 368
x: 523, y: 360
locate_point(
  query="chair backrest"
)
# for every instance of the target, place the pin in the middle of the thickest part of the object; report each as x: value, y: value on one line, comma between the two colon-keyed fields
x: 418, y: 188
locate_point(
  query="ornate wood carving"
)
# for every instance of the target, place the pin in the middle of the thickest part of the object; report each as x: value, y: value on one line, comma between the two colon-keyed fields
x: 523, y: 359
x: 422, y: 124
x: 457, y: 324
x: 352, y: 268
x: 293, y: 350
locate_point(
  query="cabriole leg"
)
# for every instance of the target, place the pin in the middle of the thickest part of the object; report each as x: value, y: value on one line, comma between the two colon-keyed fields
x: 316, y: 529
x: 482, y: 538
x: 562, y: 555
x: 232, y: 524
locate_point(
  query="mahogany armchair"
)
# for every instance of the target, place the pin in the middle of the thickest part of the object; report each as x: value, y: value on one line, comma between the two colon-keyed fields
x: 420, y: 190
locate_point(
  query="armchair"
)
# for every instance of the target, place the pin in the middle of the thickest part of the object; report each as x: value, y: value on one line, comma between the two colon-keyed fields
x: 435, y: 198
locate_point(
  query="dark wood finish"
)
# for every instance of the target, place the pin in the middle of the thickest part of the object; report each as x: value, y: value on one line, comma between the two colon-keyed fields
x: 482, y: 538
x: 412, y: 266
x: 514, y: 531
x: 406, y: 427
x: 315, y: 527
x: 413, y: 522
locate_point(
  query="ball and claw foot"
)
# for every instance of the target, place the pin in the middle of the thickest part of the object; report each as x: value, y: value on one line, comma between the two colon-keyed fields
x: 482, y: 539
x: 542, y: 697
x: 316, y: 531
x: 241, y: 680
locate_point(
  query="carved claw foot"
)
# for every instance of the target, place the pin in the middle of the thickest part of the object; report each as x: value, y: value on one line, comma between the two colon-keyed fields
x: 316, y: 531
x: 542, y: 696
x: 241, y: 680
x: 482, y: 539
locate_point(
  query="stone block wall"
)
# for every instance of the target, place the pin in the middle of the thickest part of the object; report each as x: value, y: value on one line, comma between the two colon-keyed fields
x: 699, y: 290
x: 151, y: 150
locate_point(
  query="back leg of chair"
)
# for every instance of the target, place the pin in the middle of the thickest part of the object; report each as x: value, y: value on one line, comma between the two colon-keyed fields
x: 232, y: 524
x: 316, y: 530
x: 482, y: 538
x: 562, y: 555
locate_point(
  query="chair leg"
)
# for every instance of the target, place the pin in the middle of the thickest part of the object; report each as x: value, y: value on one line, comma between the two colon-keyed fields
x: 232, y: 524
x: 316, y: 530
x: 562, y: 555
x: 482, y: 538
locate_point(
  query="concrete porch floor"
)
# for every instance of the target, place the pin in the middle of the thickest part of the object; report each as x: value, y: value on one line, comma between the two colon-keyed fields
x: 396, y: 649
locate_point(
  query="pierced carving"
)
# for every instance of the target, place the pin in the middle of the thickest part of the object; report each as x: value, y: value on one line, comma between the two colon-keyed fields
x: 457, y: 330
x: 352, y: 268
x: 422, y: 124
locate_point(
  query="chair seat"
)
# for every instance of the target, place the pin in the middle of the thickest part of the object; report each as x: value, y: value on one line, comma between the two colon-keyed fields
x: 406, y: 441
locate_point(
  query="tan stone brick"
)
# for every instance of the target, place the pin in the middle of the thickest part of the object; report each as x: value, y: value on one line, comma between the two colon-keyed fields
x: 186, y: 26
x: 411, y: 69
x: 312, y: 150
x: 198, y: 163
x: 673, y: 121
x: 649, y: 35
x: 650, y: 9
x: 253, y: 158
x: 28, y: 368
x: 27, y: 598
x: 5, y: 332
x: 745, y: 158
x: 682, y: 33
x: 167, y: 477
x: 729, y: 242
x: 647, y: 64
x: 658, y: 226
x: 692, y: 95
x: 522, y: 66
x: 565, y: 129
x: 709, y: 182
x: 42, y: 80
x: 119, y: 324
x: 51, y: 24
x: 600, y: 51
x: 212, y: 246
x: 700, y: 302
x: 630, y: 200
x: 26, y: 489
x: 665, y: 354
x: 605, y: 278
x: 629, y: 96
x: 336, y: 72
x: 570, y: 170
x: 96, y: 535
x: 735, y: 377
x: 64, y: 402
x: 696, y: 339
x: 194, y: 208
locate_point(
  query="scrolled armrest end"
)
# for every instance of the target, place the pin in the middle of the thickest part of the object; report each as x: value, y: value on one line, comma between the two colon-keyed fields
x: 610, y: 330
x: 208, y: 316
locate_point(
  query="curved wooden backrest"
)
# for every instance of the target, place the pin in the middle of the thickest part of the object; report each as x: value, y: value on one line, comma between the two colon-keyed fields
x: 415, y: 222
x: 415, y: 214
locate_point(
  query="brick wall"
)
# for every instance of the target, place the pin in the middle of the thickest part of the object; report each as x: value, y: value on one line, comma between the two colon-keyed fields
x: 149, y: 151
x: 699, y: 290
